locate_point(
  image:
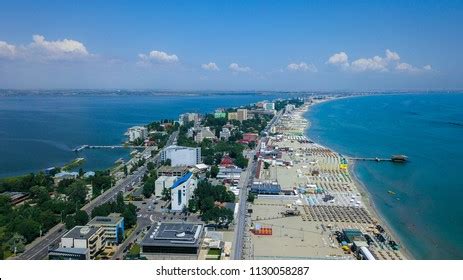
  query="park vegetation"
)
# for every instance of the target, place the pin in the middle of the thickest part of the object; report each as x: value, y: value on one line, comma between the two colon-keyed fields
x: 46, y: 206
x: 207, y: 199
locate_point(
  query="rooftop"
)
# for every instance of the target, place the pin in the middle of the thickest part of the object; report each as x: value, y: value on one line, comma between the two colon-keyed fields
x: 81, y: 232
x: 166, y: 168
x: 174, y: 234
x: 111, y: 219
x: 64, y: 173
x: 182, y: 180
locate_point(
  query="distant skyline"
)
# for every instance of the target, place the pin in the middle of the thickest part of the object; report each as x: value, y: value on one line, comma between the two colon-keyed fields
x: 232, y: 45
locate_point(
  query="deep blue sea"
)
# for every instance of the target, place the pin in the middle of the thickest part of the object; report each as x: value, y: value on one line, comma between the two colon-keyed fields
x: 37, y: 132
x: 427, y: 212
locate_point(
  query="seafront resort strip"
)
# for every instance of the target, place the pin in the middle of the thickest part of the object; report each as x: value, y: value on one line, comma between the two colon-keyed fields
x: 240, y: 183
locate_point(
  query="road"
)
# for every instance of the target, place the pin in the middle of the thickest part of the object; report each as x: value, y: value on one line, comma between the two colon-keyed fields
x: 245, y: 180
x: 39, y: 250
x: 149, y: 213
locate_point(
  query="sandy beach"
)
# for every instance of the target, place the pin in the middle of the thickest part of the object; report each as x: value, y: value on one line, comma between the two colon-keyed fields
x: 369, y: 203
x: 322, y: 190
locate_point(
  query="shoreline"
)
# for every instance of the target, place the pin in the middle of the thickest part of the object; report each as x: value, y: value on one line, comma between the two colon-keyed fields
x: 362, y: 188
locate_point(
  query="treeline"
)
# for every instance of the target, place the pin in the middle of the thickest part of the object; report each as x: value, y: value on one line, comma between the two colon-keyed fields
x: 205, y: 199
x: 46, y: 206
x: 128, y: 211
x: 280, y: 104
x: 213, y: 152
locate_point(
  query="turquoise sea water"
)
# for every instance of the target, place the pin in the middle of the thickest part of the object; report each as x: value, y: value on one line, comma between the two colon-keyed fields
x: 37, y: 132
x: 427, y: 212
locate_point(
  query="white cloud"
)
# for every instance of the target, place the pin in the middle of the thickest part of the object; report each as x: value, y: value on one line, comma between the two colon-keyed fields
x: 390, y: 55
x: 60, y: 49
x: 373, y: 64
x: 405, y: 67
x: 158, y: 56
x: 302, y: 67
x: 427, y: 67
x: 42, y: 50
x: 391, y: 61
x: 236, y: 68
x: 7, y: 50
x: 211, y: 66
x: 340, y: 59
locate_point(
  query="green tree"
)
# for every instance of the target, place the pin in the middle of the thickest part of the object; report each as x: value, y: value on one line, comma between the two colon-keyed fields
x: 251, y: 197
x: 241, y: 161
x: 214, y: 171
x: 166, y: 194
x: 28, y: 228
x: 69, y: 221
x: 148, y: 187
x: 126, y: 172
x: 150, y: 166
x: 77, y: 192
x: 120, y: 205
x: 39, y: 194
x: 130, y: 215
x: 266, y: 165
x: 81, y: 218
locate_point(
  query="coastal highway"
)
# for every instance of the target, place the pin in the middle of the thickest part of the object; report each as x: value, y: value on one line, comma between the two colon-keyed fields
x: 246, y: 178
x: 39, y: 248
x: 241, y: 215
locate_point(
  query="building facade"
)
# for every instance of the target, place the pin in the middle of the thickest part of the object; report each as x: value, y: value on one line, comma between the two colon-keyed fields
x: 242, y: 114
x: 181, y: 191
x: 85, y: 237
x: 163, y: 182
x: 113, y: 226
x: 232, y: 116
x: 137, y: 132
x: 269, y: 106
x: 181, y: 156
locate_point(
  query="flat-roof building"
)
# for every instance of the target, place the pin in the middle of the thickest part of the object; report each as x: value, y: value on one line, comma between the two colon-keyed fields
x: 177, y: 171
x: 113, y: 226
x: 266, y: 187
x: 86, y: 237
x: 64, y: 175
x: 173, y: 238
x: 60, y: 253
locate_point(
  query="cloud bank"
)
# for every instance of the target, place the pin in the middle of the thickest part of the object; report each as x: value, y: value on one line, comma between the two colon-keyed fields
x: 390, y: 62
x: 234, y: 67
x: 42, y: 50
x: 301, y: 67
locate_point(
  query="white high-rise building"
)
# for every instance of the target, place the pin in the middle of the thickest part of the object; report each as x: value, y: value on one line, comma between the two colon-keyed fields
x: 137, y: 132
x: 242, y: 114
x: 269, y: 106
x: 181, y: 156
x: 181, y: 191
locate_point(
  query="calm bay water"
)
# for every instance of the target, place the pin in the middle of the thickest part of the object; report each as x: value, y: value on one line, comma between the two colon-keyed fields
x: 427, y: 212
x: 37, y: 132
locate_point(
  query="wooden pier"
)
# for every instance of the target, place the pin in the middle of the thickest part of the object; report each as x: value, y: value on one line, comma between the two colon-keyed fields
x: 394, y: 158
x: 83, y: 147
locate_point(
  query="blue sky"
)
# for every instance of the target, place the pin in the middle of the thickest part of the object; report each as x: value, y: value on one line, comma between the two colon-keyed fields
x: 232, y: 45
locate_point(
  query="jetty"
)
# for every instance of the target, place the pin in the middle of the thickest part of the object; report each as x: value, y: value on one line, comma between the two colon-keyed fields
x: 83, y: 147
x: 394, y: 158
